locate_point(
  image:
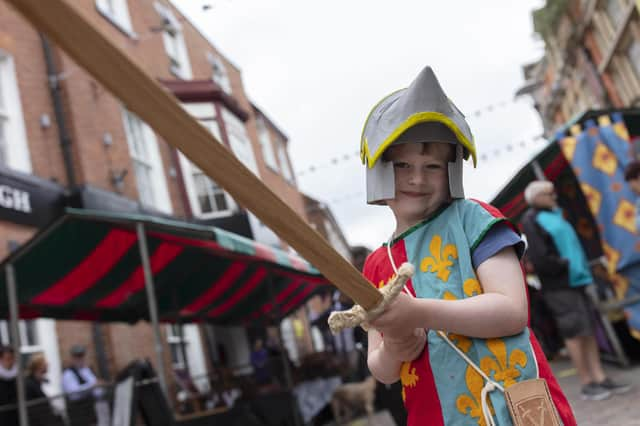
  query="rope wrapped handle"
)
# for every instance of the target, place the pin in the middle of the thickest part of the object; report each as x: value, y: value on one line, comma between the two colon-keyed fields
x: 358, y: 316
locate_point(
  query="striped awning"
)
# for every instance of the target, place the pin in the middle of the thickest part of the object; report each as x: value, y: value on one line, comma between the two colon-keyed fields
x: 87, y: 266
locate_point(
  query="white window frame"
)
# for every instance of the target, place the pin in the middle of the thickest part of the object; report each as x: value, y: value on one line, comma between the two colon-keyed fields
x: 266, y: 145
x: 144, y: 152
x: 193, y: 349
x: 205, y: 113
x: 15, y: 151
x: 283, y: 159
x: 215, y: 195
x: 239, y: 141
x: 117, y: 12
x: 174, y: 44
x: 219, y: 72
x: 29, y: 336
x: 175, y: 343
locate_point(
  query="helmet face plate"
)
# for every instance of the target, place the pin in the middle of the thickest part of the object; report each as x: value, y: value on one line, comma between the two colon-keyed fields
x: 422, y: 113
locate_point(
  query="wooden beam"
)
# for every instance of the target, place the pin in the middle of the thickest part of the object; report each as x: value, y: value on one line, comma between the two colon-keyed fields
x: 144, y: 96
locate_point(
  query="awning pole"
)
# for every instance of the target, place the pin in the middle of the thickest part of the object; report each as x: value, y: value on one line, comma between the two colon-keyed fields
x: 153, y: 308
x: 537, y: 170
x: 15, y: 338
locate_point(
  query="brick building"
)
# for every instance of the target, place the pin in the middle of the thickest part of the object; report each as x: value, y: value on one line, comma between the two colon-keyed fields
x: 591, y: 61
x: 64, y: 140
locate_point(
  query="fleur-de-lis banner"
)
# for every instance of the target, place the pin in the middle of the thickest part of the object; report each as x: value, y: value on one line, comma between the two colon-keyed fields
x: 598, y: 151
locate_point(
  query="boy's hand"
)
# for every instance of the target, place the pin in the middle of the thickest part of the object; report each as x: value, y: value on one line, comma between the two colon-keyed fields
x: 407, y: 348
x: 397, y: 320
x: 401, y: 339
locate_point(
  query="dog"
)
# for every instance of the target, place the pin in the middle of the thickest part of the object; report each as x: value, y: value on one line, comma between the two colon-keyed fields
x: 350, y: 397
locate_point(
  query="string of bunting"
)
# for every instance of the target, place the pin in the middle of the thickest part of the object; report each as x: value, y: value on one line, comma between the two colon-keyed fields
x: 483, y: 157
x: 492, y: 153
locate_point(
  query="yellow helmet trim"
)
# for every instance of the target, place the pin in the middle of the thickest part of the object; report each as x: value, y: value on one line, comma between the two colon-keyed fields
x: 420, y: 117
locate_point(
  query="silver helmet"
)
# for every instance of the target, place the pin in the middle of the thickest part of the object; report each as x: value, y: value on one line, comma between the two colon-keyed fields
x: 420, y: 113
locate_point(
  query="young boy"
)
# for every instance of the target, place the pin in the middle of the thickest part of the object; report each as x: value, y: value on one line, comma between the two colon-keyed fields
x: 468, y: 280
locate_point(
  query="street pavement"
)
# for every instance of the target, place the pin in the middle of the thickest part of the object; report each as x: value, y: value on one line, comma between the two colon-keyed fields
x: 619, y: 410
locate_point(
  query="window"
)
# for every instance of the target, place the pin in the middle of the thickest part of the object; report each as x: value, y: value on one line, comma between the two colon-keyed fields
x: 142, y: 165
x: 265, y: 144
x: 284, y: 161
x: 211, y: 198
x: 239, y: 141
x: 14, y: 151
x: 117, y: 12
x: 28, y: 336
x: 177, y: 345
x: 147, y: 165
x: 174, y: 43
x: 207, y: 199
x: 219, y: 72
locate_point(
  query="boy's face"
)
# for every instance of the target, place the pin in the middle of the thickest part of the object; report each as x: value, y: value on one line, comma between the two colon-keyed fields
x: 635, y: 185
x: 421, y: 180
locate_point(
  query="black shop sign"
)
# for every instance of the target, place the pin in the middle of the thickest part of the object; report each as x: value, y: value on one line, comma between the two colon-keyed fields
x: 29, y: 200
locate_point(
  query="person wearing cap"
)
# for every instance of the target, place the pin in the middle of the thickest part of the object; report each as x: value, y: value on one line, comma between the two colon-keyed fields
x: 468, y: 279
x: 79, y: 383
x: 563, y: 269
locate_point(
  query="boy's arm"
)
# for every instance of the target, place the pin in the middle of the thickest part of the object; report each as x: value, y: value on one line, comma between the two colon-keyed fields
x: 500, y: 311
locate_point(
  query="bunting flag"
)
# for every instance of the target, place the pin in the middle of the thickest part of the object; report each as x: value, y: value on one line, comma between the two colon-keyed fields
x: 585, y: 161
x: 598, y: 152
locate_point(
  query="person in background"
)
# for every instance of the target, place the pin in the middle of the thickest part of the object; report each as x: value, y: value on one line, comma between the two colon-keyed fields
x: 8, y: 373
x: 564, y: 273
x: 79, y: 383
x: 632, y: 177
x: 40, y: 412
x: 260, y: 362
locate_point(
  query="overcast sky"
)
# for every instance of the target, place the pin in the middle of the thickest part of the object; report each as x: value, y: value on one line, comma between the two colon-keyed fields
x: 316, y: 69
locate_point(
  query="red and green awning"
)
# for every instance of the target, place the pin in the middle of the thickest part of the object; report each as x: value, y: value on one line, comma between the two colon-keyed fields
x: 87, y: 266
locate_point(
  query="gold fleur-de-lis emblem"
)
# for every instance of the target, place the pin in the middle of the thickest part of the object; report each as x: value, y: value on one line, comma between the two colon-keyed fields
x: 503, y: 368
x: 408, y: 377
x: 439, y: 261
x: 472, y: 287
x: 471, y: 405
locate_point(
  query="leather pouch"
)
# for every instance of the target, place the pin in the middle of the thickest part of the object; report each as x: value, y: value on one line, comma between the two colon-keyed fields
x: 530, y: 404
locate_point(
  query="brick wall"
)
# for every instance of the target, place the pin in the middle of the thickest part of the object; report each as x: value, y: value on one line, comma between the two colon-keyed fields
x: 90, y: 114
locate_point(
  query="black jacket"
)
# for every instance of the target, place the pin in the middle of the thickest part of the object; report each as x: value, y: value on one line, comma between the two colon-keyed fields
x: 8, y: 395
x: 552, y: 270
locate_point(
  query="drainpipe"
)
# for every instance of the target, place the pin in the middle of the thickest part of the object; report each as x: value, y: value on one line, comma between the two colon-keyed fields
x: 56, y: 97
x: 72, y: 184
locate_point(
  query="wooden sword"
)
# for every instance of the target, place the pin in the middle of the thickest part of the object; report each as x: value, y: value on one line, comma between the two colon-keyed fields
x: 157, y: 107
